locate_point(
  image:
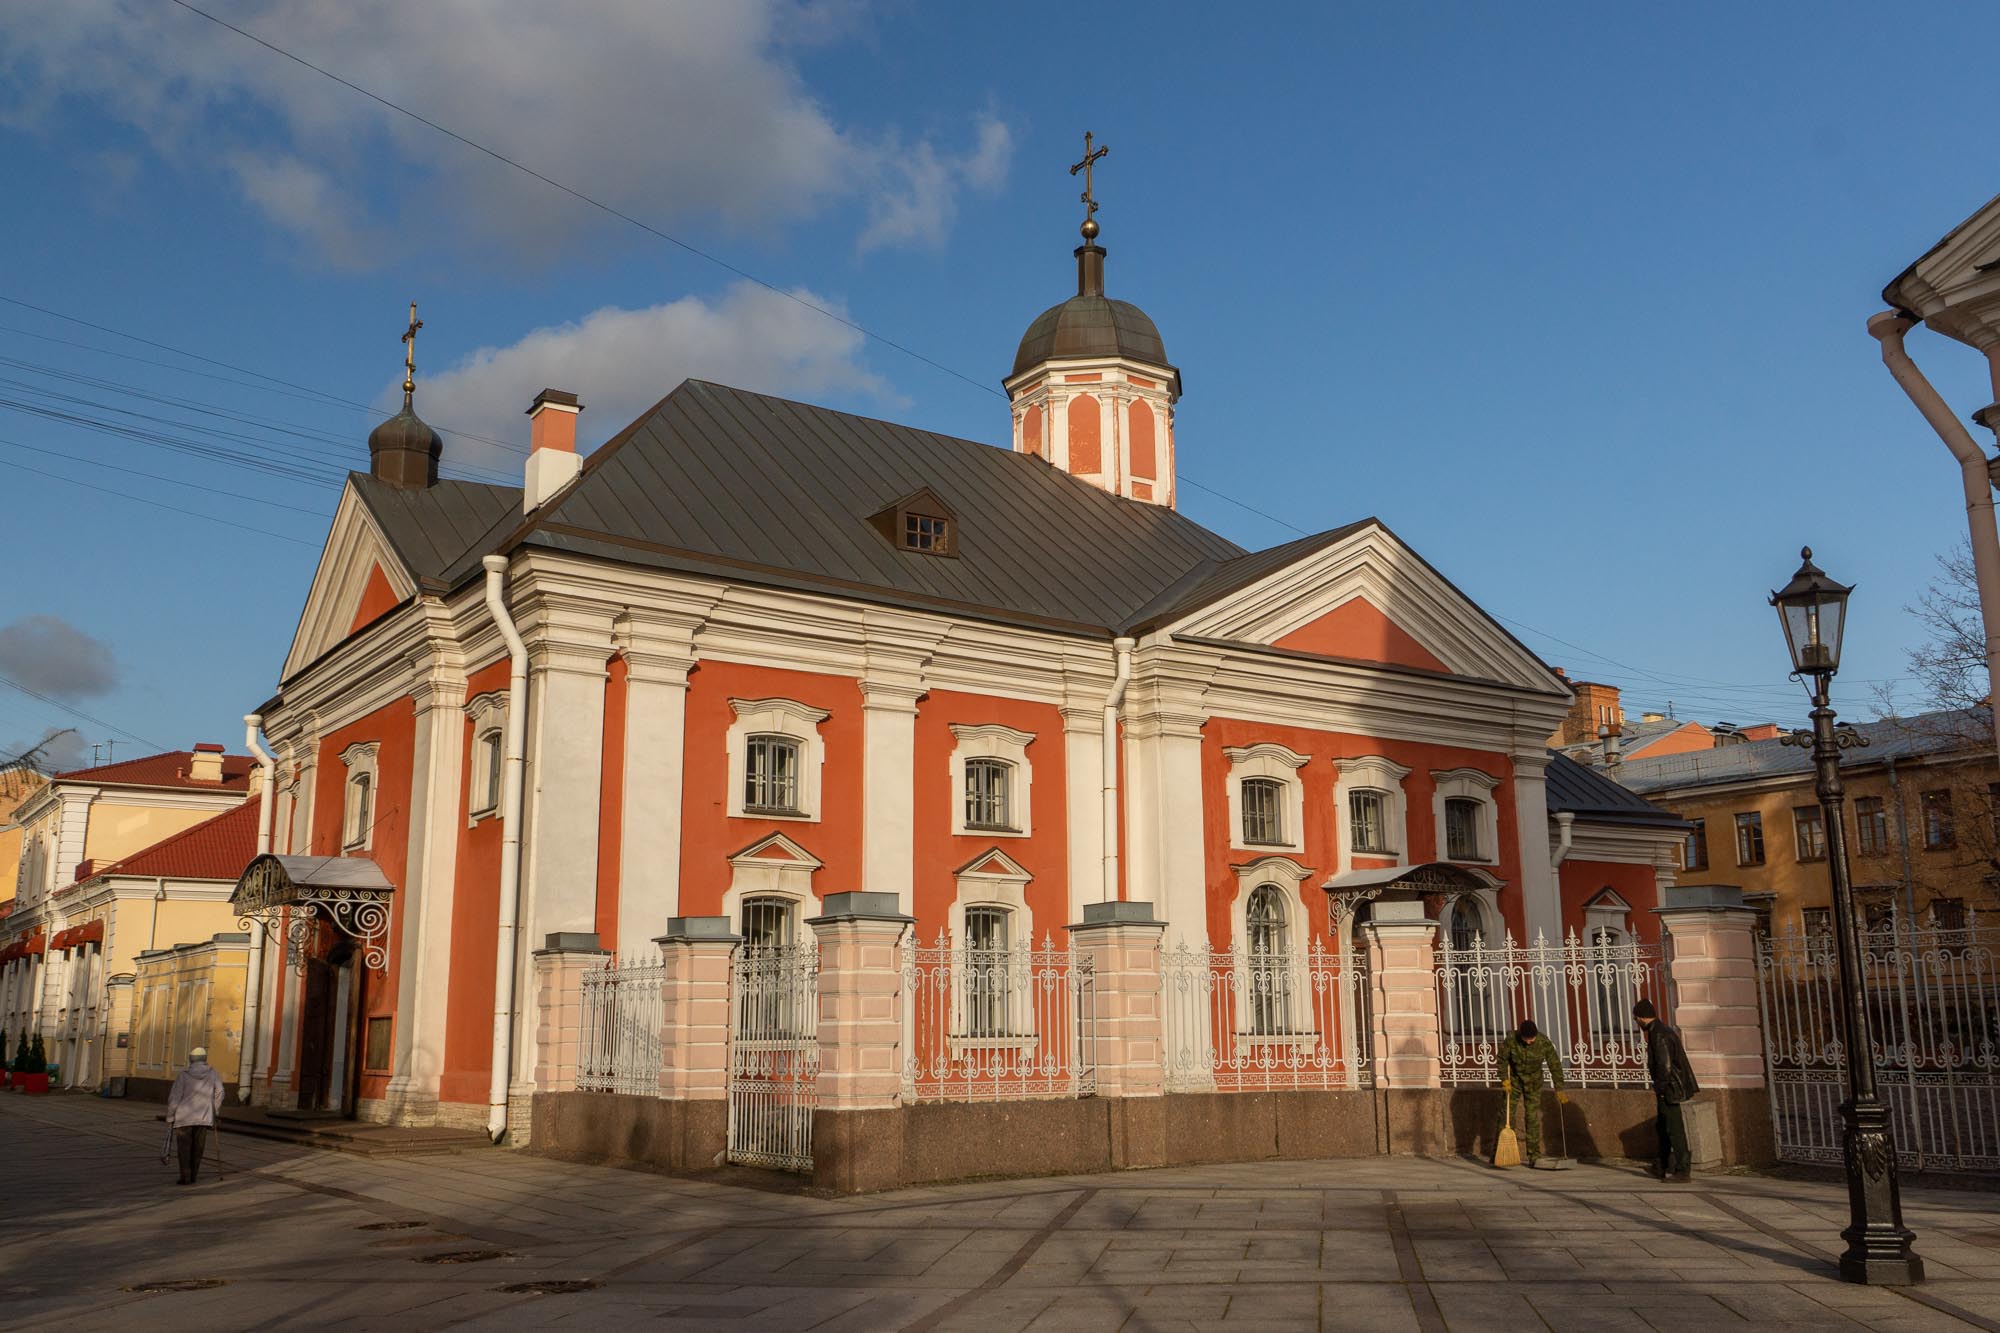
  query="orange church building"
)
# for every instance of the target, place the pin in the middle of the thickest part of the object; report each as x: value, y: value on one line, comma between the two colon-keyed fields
x: 751, y: 652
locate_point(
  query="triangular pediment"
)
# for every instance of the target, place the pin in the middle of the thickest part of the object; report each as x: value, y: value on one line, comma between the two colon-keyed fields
x: 358, y: 579
x: 1368, y: 597
x: 779, y: 848
x: 994, y: 864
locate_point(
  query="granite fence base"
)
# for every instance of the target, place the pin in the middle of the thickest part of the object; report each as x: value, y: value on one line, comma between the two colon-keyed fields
x: 932, y: 1142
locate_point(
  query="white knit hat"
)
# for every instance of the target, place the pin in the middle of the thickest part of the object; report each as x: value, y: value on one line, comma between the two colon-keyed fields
x: 198, y: 1053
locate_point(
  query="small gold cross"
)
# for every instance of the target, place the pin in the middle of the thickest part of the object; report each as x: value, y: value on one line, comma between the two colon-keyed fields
x: 410, y: 352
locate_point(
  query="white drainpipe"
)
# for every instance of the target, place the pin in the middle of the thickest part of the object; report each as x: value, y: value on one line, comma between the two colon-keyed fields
x: 510, y: 845
x: 1888, y: 329
x: 253, y: 994
x: 1565, y: 829
x: 1112, y: 703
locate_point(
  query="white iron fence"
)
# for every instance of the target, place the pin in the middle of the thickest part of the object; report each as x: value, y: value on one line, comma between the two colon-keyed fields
x: 1579, y: 992
x: 774, y: 1055
x: 623, y: 1003
x: 989, y: 1024
x: 1250, y: 1022
x: 1934, y: 1010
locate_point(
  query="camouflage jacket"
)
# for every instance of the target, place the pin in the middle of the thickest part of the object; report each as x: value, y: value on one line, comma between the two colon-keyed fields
x: 1521, y: 1062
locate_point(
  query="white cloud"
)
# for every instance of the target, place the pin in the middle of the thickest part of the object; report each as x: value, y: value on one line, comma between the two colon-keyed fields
x: 49, y: 655
x: 621, y: 362
x: 661, y: 108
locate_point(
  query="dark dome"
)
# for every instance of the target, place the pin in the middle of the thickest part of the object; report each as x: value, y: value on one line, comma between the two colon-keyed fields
x: 404, y: 450
x: 1091, y: 326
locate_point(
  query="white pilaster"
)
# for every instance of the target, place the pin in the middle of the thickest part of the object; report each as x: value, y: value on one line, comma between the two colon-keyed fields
x: 1083, y: 767
x: 659, y: 651
x: 891, y: 683
x: 1540, y: 900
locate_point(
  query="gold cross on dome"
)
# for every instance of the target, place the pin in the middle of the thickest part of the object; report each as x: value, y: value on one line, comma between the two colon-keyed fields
x: 410, y: 352
x: 1089, y: 195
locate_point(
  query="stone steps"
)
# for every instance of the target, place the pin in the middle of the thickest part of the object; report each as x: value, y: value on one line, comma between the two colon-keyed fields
x: 350, y: 1136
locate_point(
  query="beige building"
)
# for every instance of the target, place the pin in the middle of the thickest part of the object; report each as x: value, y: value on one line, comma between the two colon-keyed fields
x: 179, y: 998
x: 116, y: 860
x: 1923, y: 820
x: 16, y: 786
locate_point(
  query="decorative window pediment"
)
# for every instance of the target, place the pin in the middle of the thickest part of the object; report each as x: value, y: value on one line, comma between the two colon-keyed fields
x: 1466, y: 816
x: 773, y: 867
x: 1371, y: 812
x: 992, y: 781
x: 775, y: 759
x: 488, y: 716
x: 1266, y: 797
x: 361, y: 798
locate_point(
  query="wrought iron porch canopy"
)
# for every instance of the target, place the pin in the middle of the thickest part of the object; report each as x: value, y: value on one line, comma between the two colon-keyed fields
x: 349, y: 891
x: 1430, y: 877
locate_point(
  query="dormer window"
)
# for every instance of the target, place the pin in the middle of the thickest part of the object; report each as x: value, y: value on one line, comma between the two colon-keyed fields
x: 929, y: 533
x: 919, y: 522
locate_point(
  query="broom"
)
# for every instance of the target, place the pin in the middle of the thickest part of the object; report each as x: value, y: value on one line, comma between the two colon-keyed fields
x: 1507, y: 1148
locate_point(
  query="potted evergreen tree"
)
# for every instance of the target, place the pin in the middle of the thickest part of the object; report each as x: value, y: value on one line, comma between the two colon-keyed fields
x: 37, y: 1078
x: 17, y: 1079
x: 6, y: 1061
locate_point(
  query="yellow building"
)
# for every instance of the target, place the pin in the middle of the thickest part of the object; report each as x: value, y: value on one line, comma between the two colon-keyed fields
x: 1923, y: 820
x: 179, y: 998
x: 16, y: 786
x: 117, y: 860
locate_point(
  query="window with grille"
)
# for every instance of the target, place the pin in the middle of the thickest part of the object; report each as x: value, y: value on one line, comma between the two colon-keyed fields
x: 1818, y: 921
x: 1694, y: 856
x: 360, y: 810
x: 771, y: 776
x: 1809, y: 833
x: 486, y: 772
x: 1750, y: 839
x: 1368, y: 812
x: 1467, y: 928
x: 986, y: 972
x: 1940, y: 830
x: 928, y: 533
x: 1871, y: 826
x: 1948, y: 913
x: 1266, y: 934
x: 989, y: 794
x: 1461, y: 830
x: 1263, y: 811
x: 767, y: 923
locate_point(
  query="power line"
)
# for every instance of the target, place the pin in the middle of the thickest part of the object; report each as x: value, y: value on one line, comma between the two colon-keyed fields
x: 74, y: 711
x: 140, y: 499
x: 171, y: 481
x: 580, y: 196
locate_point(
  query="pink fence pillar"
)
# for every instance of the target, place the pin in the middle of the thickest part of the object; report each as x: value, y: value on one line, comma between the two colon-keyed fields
x: 1403, y: 997
x: 694, y: 1019
x: 559, y: 967
x: 1714, y: 972
x: 860, y: 1000
x: 1121, y: 1016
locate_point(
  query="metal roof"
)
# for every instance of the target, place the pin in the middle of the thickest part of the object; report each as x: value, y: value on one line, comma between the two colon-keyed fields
x: 1091, y: 326
x: 1587, y: 793
x: 1924, y: 735
x: 434, y: 528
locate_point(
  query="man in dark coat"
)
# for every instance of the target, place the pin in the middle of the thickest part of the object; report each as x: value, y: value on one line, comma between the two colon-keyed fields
x: 1673, y: 1083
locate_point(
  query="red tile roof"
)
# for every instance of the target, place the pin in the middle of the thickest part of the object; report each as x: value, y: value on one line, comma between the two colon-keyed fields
x: 165, y: 770
x: 218, y: 848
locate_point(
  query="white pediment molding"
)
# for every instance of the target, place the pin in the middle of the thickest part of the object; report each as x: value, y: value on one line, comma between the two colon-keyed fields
x: 1374, y: 564
x: 354, y: 545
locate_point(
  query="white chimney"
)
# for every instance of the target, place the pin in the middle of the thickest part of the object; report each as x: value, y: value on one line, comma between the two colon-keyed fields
x: 205, y: 764
x: 553, y: 462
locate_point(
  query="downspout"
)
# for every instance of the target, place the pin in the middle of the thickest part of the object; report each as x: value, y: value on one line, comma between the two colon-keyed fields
x: 1565, y: 830
x: 515, y: 743
x: 253, y: 994
x: 1112, y: 703
x: 1888, y: 328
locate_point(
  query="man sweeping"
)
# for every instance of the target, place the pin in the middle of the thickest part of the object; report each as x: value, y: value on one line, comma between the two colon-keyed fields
x: 191, y: 1110
x: 1522, y: 1059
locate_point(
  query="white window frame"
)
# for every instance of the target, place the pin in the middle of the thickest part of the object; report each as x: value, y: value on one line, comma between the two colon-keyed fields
x: 1006, y: 888
x: 991, y: 740
x: 777, y: 717
x: 1289, y: 877
x: 1485, y: 903
x: 1607, y: 910
x: 1467, y: 784
x: 488, y: 715
x: 753, y: 874
x: 1371, y: 772
x: 1267, y: 759
x: 360, y: 760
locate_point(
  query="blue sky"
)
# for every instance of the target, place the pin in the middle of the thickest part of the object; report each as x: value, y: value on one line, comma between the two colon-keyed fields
x: 1573, y: 298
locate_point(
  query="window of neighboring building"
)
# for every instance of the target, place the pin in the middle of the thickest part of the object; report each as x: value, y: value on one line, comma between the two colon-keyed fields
x: 1818, y: 921
x: 1940, y: 832
x: 1750, y: 839
x: 1266, y: 934
x: 1461, y: 829
x: 988, y: 794
x: 1368, y: 815
x: 771, y: 776
x: 1263, y: 812
x: 986, y: 962
x: 1871, y: 826
x: 1878, y: 911
x: 1694, y: 855
x: 1948, y: 913
x: 1809, y: 833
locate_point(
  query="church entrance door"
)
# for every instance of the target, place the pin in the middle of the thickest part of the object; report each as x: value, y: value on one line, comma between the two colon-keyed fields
x: 315, y: 1034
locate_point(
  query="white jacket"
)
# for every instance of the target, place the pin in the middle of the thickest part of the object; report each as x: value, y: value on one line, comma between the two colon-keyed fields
x: 196, y: 1097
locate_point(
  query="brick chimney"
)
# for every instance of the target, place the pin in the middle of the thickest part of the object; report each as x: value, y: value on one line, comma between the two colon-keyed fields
x: 205, y: 765
x: 553, y: 462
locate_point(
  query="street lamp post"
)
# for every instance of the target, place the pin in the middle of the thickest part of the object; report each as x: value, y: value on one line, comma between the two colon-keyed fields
x: 1814, y: 610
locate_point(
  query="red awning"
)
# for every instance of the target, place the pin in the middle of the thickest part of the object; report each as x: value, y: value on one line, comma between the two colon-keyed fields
x: 90, y: 932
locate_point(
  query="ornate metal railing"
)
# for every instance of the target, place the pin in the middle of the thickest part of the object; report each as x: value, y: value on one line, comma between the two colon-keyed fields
x: 1580, y: 992
x: 1934, y: 1010
x: 622, y: 1007
x: 774, y: 1055
x: 989, y: 1024
x: 1237, y: 1022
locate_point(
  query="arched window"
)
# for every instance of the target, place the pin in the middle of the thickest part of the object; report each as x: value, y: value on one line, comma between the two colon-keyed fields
x: 768, y: 922
x: 986, y: 971
x: 1267, y: 936
x: 1263, y: 812
x: 989, y: 795
x: 771, y: 776
x: 360, y: 810
x: 1467, y: 926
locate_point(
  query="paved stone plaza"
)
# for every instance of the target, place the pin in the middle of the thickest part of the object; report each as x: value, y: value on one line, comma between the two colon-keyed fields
x: 299, y: 1239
